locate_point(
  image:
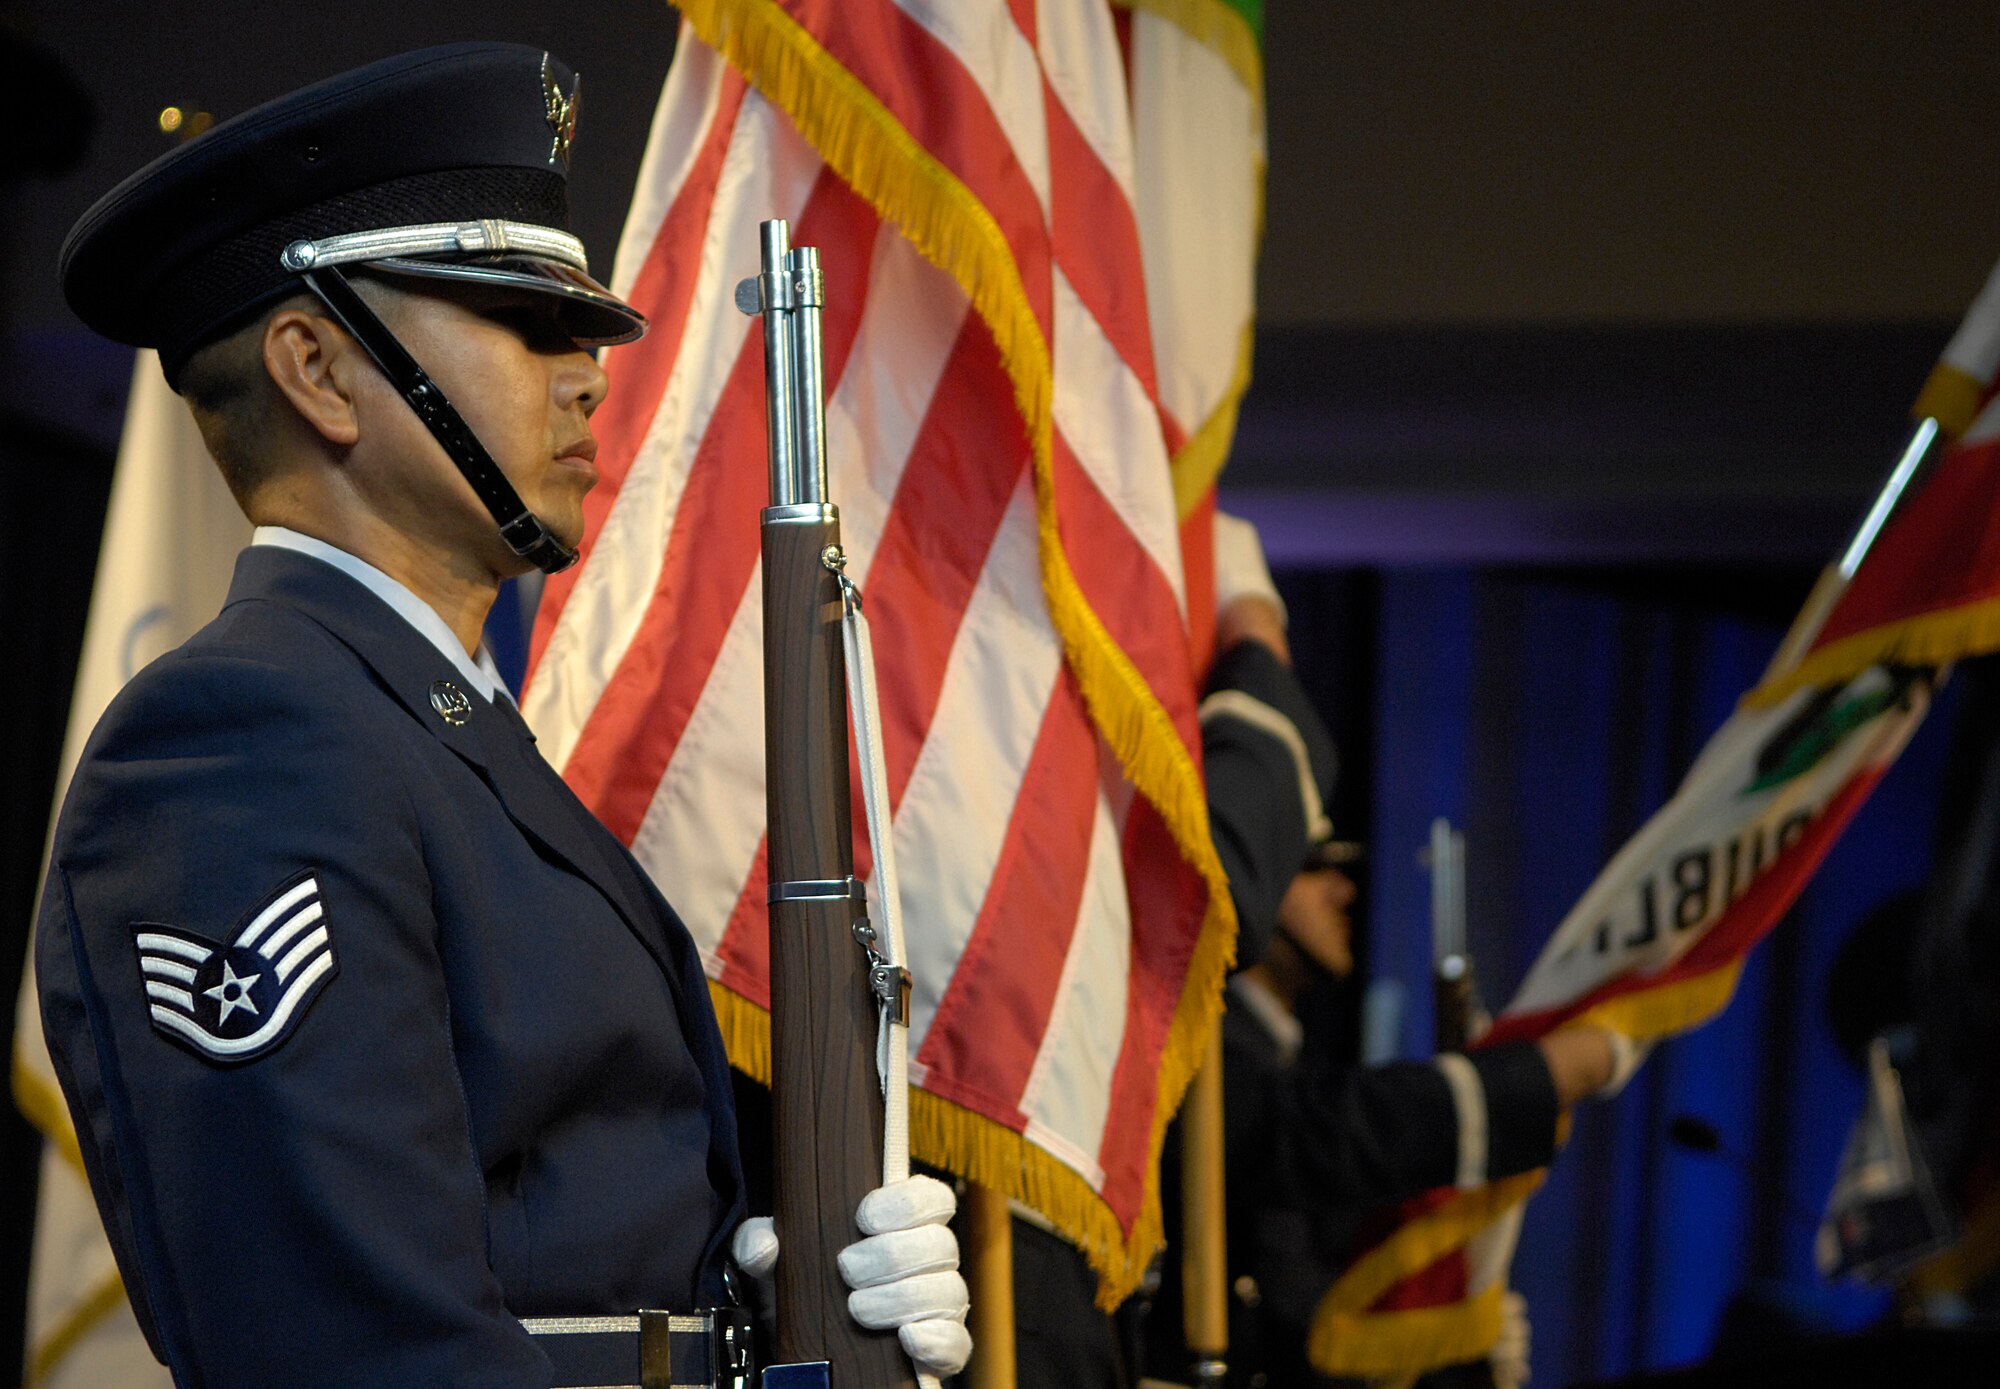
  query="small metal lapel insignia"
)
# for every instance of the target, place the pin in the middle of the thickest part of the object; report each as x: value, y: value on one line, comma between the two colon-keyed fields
x: 450, y: 702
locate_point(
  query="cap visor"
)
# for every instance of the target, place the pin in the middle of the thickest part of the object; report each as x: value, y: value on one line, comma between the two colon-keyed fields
x: 593, y: 315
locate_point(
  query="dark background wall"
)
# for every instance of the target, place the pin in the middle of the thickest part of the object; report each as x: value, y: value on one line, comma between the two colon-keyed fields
x: 1654, y: 159
x: 1471, y: 161
x: 1607, y: 285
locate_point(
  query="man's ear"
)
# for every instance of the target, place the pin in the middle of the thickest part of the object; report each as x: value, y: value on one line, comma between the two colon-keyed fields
x: 306, y: 356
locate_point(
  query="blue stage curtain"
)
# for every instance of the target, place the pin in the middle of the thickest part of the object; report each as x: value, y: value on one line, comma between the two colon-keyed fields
x: 1548, y: 716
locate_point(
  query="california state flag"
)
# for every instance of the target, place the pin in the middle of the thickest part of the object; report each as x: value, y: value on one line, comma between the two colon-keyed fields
x: 1653, y: 948
x: 1656, y: 945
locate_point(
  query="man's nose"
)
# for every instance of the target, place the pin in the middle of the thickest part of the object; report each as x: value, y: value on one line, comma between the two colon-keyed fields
x: 581, y: 380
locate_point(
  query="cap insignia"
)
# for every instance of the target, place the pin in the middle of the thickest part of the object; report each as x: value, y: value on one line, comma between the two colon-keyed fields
x: 561, y: 111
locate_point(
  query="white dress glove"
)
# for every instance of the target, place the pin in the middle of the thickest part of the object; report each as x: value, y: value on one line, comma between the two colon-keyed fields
x: 1509, y: 1356
x: 1240, y: 570
x: 755, y: 1246
x: 905, y: 1273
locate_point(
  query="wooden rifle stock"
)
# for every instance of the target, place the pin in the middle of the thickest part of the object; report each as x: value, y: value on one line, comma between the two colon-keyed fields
x: 827, y: 1106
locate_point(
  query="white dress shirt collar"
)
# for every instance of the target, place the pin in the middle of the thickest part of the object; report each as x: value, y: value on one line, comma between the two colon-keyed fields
x: 480, y: 672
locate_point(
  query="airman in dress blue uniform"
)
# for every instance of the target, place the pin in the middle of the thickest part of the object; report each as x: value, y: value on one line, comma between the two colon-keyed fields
x: 387, y: 1062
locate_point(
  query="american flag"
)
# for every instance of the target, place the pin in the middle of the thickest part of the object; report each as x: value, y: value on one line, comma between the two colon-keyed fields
x: 1001, y: 449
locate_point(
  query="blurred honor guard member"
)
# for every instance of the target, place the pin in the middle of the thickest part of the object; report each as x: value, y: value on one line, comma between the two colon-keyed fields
x: 376, y: 1042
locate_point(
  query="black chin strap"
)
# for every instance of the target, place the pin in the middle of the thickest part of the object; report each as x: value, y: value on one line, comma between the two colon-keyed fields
x: 523, y: 531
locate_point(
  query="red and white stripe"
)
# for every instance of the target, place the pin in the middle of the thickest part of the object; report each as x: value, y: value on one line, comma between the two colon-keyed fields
x: 1050, y: 917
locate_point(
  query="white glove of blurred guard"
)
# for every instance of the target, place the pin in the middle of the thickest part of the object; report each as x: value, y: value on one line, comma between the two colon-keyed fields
x: 1626, y: 1058
x: 1240, y: 570
x: 1509, y: 1356
x: 755, y: 1246
x: 905, y: 1273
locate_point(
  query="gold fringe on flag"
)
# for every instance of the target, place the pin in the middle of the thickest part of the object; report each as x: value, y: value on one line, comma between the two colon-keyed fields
x: 1928, y: 639
x: 1392, y: 1343
x: 978, y: 1149
x: 1347, y: 1339
x: 865, y: 144
x: 1647, y: 1015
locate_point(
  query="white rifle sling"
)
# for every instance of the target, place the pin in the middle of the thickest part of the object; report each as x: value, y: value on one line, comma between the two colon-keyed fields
x: 889, y: 970
x: 890, y: 973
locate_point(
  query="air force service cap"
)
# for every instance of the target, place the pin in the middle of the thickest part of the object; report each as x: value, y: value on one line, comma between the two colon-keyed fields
x: 450, y: 163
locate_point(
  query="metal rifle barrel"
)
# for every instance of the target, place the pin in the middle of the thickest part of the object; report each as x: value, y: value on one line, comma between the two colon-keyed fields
x: 775, y: 304
x: 809, y: 390
x: 826, y: 1099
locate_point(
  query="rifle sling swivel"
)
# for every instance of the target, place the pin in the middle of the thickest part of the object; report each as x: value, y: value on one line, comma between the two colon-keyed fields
x: 889, y: 983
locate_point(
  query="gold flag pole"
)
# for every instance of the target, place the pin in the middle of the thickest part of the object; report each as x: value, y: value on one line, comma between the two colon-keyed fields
x: 989, y: 1266
x: 1204, y: 1229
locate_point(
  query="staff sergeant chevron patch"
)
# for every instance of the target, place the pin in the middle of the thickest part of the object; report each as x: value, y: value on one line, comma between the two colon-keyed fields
x: 235, y: 1000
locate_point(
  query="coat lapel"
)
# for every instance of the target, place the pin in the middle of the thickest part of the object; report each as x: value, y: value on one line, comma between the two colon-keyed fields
x: 538, y: 800
x: 489, y: 736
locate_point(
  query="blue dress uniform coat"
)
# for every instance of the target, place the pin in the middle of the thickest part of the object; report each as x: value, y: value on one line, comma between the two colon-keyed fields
x: 476, y: 1078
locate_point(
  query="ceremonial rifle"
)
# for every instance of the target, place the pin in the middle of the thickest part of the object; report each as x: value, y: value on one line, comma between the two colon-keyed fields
x: 826, y: 1098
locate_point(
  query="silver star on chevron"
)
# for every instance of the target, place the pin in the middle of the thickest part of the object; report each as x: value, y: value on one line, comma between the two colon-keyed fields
x: 232, y: 993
